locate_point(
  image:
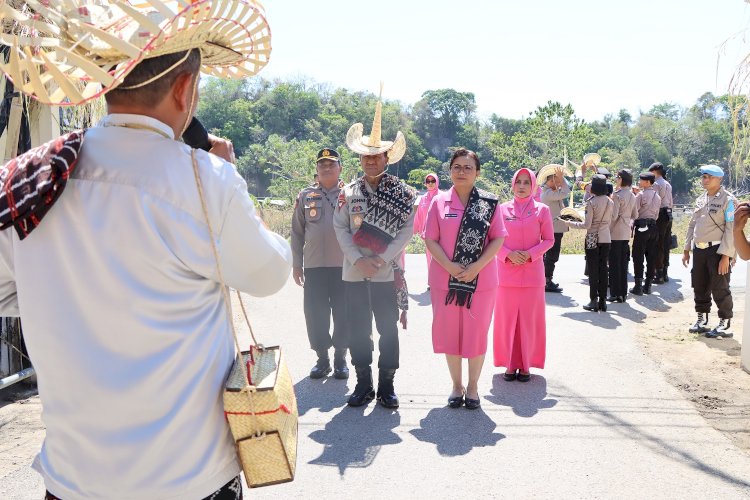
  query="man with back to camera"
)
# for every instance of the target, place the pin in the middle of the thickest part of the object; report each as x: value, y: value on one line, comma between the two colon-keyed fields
x: 116, y: 283
x: 710, y: 237
x: 317, y: 266
x: 647, y: 203
x: 663, y: 222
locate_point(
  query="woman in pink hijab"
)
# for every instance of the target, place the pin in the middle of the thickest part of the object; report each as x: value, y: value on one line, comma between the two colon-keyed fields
x: 463, y: 232
x: 432, y: 183
x: 520, y: 328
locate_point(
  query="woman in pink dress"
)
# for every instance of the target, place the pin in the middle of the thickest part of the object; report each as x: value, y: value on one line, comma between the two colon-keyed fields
x: 520, y: 328
x: 432, y: 183
x: 463, y: 232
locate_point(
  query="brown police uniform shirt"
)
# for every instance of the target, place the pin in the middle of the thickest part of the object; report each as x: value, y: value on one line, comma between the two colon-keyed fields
x: 647, y: 202
x: 314, y: 242
x: 709, y: 222
x: 598, y: 218
x: 349, y: 216
x: 624, y: 212
x: 555, y: 200
x: 664, y: 190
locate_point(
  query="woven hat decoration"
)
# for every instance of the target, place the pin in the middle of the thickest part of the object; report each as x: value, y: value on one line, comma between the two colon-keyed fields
x: 592, y: 159
x: 571, y: 214
x: 67, y: 52
x: 372, y: 144
x: 548, y: 170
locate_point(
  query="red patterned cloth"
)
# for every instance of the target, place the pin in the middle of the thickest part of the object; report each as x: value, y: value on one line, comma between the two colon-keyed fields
x: 33, y: 181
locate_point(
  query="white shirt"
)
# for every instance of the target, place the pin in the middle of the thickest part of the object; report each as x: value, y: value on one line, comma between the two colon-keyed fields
x: 124, y: 319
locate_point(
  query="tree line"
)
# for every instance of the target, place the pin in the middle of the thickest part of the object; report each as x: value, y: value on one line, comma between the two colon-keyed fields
x: 278, y: 126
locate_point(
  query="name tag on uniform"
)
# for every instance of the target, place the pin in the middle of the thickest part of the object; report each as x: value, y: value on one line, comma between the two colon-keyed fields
x: 451, y: 216
x: 511, y: 217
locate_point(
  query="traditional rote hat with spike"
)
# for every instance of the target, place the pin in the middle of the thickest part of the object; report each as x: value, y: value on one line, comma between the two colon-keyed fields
x: 372, y: 144
x: 67, y: 52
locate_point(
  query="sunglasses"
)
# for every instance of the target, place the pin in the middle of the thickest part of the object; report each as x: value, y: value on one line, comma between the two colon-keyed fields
x: 429, y: 181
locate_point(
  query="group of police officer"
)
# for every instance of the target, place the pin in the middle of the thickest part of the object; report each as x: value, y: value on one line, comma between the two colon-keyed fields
x: 318, y: 258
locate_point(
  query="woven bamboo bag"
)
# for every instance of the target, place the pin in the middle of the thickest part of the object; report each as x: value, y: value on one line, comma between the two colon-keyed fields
x: 259, y: 400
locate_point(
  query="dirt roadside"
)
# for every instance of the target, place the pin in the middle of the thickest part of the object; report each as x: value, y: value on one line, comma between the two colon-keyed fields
x: 706, y: 371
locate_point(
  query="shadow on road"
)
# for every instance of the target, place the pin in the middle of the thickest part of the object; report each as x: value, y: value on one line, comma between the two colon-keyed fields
x: 600, y: 319
x: 326, y: 394
x: 524, y: 398
x: 422, y: 299
x: 730, y: 346
x: 656, y: 444
x: 353, y: 439
x: 559, y: 300
x: 456, y: 431
x: 625, y: 310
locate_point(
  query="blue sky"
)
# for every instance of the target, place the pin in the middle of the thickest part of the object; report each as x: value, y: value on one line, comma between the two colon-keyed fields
x: 598, y: 55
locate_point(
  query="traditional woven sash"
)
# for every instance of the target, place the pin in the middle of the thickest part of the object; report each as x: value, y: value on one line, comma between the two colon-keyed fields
x: 475, y: 224
x: 388, y: 209
x: 32, y: 182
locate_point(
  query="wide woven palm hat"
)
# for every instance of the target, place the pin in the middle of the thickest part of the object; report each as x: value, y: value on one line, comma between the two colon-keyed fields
x: 373, y: 144
x: 548, y: 170
x: 571, y: 214
x: 67, y: 52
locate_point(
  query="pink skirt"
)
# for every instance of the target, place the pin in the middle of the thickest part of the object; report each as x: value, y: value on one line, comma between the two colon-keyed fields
x: 520, y: 332
x: 460, y: 331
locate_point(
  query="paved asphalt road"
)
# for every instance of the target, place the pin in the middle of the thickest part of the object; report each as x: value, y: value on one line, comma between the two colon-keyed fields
x: 599, y: 422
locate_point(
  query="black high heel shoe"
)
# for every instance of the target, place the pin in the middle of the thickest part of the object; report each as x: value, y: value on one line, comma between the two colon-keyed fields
x: 602, y: 306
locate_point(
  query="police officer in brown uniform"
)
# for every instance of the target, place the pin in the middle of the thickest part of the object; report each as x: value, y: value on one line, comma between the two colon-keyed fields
x: 663, y: 222
x: 710, y: 236
x: 317, y: 264
x: 623, y: 214
x: 647, y: 201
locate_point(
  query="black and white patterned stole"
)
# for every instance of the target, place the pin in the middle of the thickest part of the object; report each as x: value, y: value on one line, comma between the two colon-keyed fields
x: 472, y: 233
x: 388, y: 209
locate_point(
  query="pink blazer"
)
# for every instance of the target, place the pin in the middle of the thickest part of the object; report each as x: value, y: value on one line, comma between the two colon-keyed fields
x: 443, y: 222
x: 531, y: 231
x: 421, y: 216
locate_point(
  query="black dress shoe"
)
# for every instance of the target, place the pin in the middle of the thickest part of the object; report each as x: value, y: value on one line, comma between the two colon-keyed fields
x: 613, y: 298
x: 524, y: 377
x: 321, y: 369
x: 472, y: 404
x: 456, y: 401
x: 509, y: 377
x: 602, y: 306
x: 592, y: 306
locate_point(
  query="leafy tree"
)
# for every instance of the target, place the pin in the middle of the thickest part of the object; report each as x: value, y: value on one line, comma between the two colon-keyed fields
x: 439, y: 117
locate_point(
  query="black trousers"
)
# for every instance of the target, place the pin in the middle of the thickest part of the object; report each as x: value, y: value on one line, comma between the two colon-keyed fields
x: 551, y: 256
x: 324, y: 297
x: 644, y: 245
x: 596, y: 261
x: 664, y: 232
x: 619, y: 258
x: 363, y: 301
x: 707, y: 281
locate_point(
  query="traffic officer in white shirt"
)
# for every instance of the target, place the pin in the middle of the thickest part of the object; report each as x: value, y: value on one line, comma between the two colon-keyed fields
x: 317, y: 266
x: 710, y: 237
x: 663, y: 222
x: 118, y: 286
